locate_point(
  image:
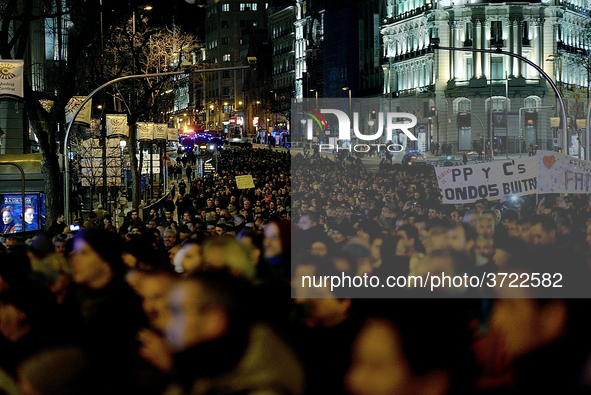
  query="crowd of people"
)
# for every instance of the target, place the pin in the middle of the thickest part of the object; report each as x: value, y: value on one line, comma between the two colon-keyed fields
x: 196, y: 299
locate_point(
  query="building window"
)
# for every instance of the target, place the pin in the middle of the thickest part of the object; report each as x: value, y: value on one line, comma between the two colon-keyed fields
x: 226, y: 57
x: 226, y: 74
x: 225, y: 40
x: 499, y: 103
x: 225, y: 24
x: 253, y: 6
x: 468, y: 34
x: 242, y: 23
x: 496, y: 32
x: 255, y: 23
x: 525, y: 38
x: 497, y: 69
x: 469, y: 69
x: 225, y: 7
x: 464, y: 105
x: 227, y: 91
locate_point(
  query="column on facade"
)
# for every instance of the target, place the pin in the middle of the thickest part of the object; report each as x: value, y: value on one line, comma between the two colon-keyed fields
x: 478, y: 42
x: 485, y: 57
x: 519, y: 46
x: 457, y: 55
x: 431, y: 71
x: 474, y: 54
x: 513, y: 38
x: 536, y: 46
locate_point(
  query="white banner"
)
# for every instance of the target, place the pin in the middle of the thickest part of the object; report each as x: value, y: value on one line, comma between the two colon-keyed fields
x: 492, y: 180
x: 84, y: 115
x: 173, y: 134
x: 11, y: 78
x: 560, y: 173
x: 145, y: 131
x: 116, y: 125
x: 160, y: 131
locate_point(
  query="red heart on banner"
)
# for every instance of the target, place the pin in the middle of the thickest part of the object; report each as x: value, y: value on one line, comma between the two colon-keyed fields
x: 548, y: 161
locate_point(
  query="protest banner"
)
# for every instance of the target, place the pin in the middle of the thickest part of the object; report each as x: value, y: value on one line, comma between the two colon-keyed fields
x: 491, y: 180
x: 560, y: 173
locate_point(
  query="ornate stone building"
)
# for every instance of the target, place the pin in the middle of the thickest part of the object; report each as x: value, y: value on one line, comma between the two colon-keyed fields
x: 464, y: 95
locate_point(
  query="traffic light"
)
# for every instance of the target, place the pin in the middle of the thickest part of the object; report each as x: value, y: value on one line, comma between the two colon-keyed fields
x: 373, y: 114
x: 433, y: 109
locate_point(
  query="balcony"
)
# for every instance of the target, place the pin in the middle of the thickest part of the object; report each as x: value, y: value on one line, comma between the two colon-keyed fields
x: 408, y: 14
x: 575, y: 8
x: 409, y: 55
x: 571, y: 49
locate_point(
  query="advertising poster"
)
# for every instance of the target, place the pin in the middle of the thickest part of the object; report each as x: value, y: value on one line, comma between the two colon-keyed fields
x: 11, y: 208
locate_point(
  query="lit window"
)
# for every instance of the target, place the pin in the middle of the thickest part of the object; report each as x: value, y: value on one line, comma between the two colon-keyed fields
x: 242, y: 6
x: 226, y: 57
x: 225, y: 7
x: 253, y: 6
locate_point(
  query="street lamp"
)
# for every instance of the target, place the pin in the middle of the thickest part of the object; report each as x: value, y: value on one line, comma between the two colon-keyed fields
x: 389, y: 89
x: 122, y: 144
x: 435, y: 45
x: 316, y: 95
x: 346, y: 88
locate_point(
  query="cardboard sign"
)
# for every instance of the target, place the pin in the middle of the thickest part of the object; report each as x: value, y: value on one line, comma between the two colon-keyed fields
x: 243, y: 182
x: 560, y: 173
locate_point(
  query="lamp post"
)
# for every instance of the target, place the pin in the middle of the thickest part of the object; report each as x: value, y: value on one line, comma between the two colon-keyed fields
x: 256, y: 111
x: 346, y: 88
x: 122, y: 144
x: 388, y: 91
x: 316, y: 95
x: 435, y: 45
x: 557, y: 71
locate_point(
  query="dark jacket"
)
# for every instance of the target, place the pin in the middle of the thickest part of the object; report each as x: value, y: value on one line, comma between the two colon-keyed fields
x: 264, y: 364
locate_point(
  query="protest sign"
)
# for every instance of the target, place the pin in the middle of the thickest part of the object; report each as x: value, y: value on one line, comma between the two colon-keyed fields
x: 560, y: 173
x: 243, y: 182
x: 491, y: 180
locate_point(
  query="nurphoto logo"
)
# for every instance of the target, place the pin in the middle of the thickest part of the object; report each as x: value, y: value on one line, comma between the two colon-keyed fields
x: 334, y: 123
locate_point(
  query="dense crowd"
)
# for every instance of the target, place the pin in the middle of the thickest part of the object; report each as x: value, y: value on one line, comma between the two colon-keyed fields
x: 199, y: 302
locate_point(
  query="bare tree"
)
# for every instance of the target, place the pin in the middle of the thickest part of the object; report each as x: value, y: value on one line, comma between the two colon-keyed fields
x: 132, y: 48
